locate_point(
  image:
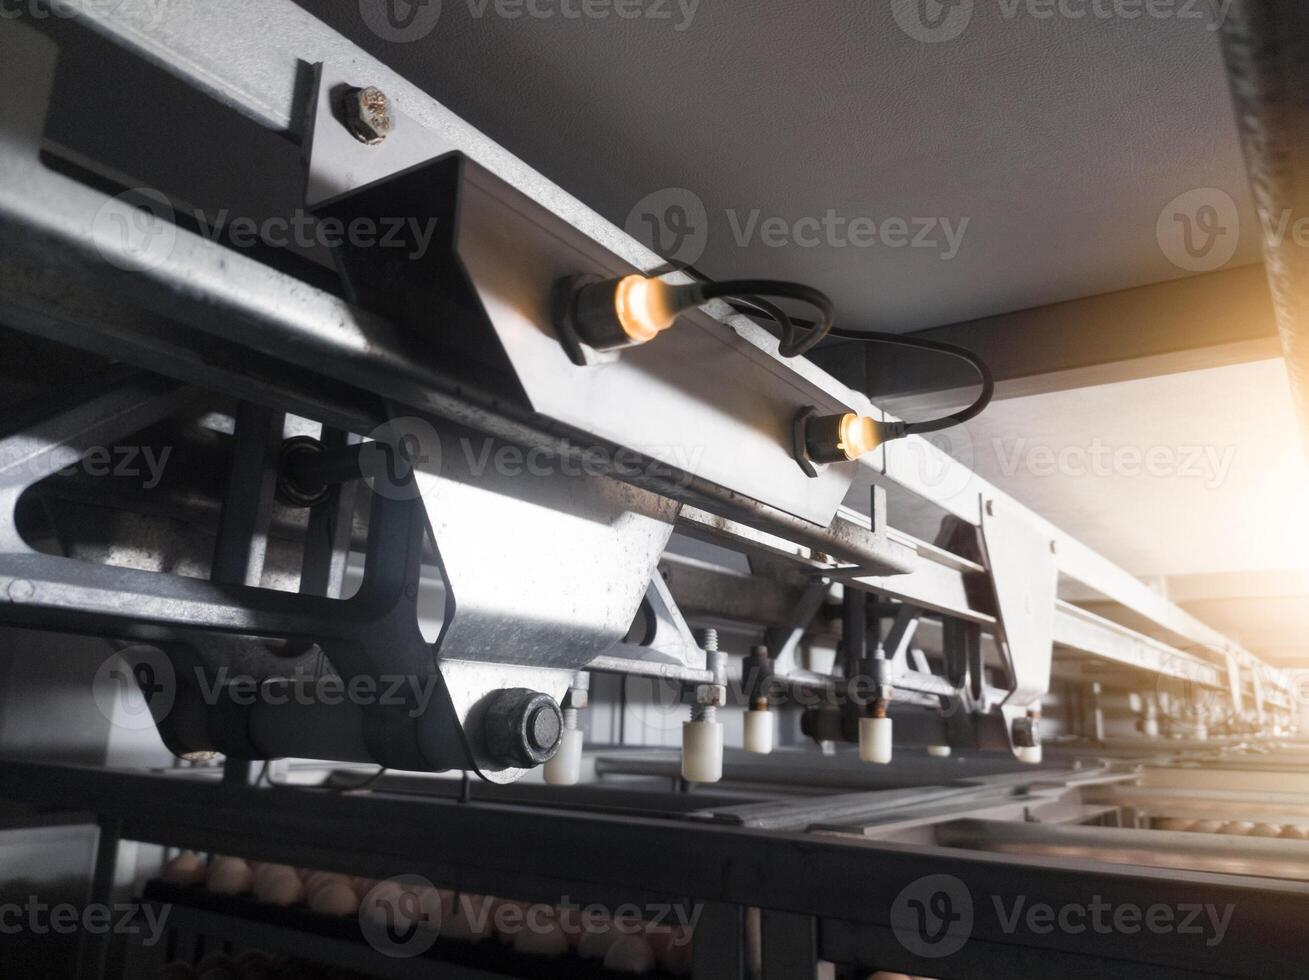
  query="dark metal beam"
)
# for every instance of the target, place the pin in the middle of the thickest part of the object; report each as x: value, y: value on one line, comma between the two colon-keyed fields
x: 1185, y: 325
x: 1266, y: 49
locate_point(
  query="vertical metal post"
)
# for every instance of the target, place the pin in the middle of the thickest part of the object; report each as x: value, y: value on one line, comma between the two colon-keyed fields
x: 327, y: 538
x: 854, y: 630
x: 790, y: 945
x: 94, y: 947
x: 242, y: 543
x: 718, y: 952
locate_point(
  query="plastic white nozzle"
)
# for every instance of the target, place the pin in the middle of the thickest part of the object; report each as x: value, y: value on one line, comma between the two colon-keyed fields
x: 758, y: 732
x: 940, y: 751
x: 565, y: 768
x: 1151, y: 728
x: 1031, y: 755
x: 702, y: 751
x: 875, y: 740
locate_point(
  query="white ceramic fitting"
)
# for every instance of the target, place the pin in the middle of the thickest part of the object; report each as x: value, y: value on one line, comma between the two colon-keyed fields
x: 1029, y: 754
x: 759, y: 732
x: 702, y: 751
x: 565, y: 768
x: 875, y: 740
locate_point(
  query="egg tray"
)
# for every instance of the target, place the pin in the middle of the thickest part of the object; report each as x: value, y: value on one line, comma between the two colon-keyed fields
x: 490, y: 954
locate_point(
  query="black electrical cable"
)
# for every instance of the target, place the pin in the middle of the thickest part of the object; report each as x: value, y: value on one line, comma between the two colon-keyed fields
x: 748, y: 291
x: 788, y: 326
x: 964, y: 354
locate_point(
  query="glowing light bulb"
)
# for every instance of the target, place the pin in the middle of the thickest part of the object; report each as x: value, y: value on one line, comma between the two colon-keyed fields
x: 859, y: 436
x: 841, y: 438
x: 644, y: 307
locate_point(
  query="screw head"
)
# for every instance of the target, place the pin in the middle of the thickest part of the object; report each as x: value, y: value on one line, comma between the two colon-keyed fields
x: 522, y: 728
x: 369, y: 115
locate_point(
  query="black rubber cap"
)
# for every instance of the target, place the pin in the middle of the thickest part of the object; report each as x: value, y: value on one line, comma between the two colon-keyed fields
x: 522, y: 728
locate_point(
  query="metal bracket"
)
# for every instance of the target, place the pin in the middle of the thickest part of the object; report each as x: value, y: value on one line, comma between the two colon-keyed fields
x: 1020, y: 562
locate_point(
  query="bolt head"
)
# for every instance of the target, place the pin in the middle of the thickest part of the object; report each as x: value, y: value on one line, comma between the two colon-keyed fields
x: 369, y: 115
x: 522, y: 728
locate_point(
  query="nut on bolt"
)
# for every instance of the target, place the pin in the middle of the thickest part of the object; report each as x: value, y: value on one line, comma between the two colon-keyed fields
x: 714, y: 695
x: 368, y: 115
x: 522, y: 728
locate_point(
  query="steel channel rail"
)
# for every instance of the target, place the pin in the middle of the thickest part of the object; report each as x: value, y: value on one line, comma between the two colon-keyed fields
x: 257, y: 72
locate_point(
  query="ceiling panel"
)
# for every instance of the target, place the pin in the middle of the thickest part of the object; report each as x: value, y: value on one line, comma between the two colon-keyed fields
x: 1058, y: 140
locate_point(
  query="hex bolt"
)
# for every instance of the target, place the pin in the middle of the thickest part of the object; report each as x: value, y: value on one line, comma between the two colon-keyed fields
x: 522, y: 728
x: 708, y: 641
x: 369, y: 115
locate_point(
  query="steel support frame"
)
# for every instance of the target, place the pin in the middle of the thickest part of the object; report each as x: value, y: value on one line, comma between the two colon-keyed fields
x: 198, y: 43
x: 356, y: 348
